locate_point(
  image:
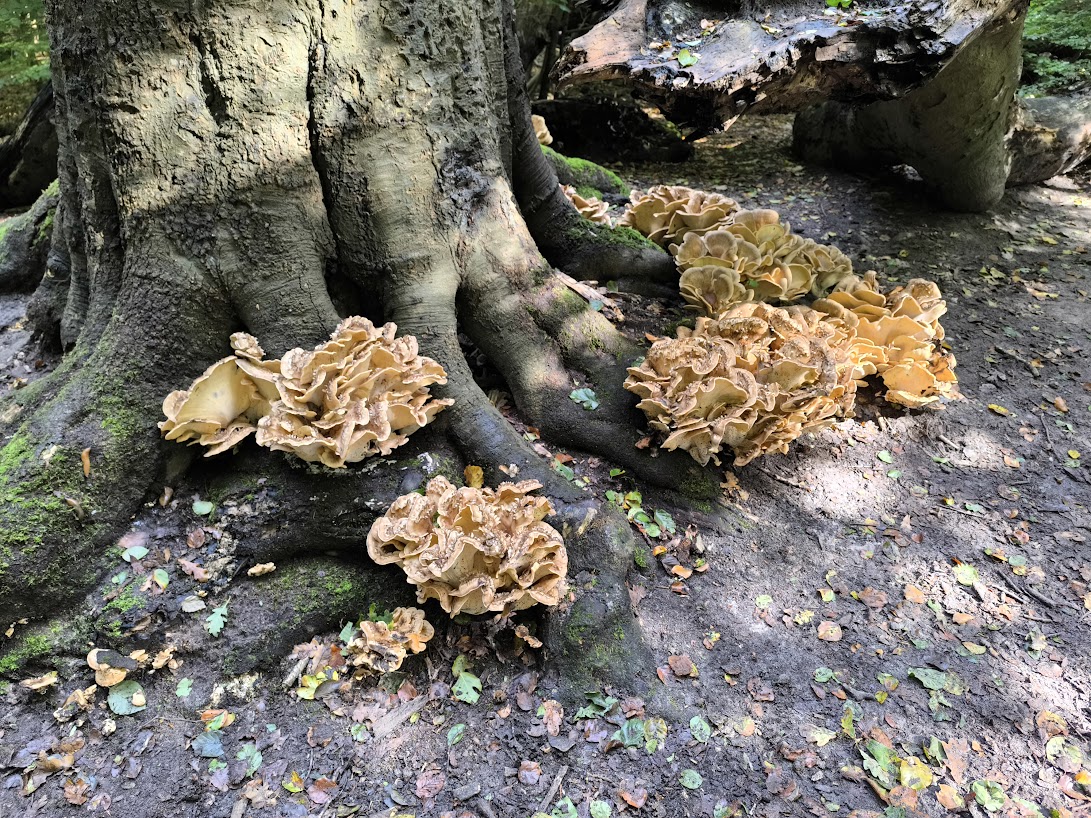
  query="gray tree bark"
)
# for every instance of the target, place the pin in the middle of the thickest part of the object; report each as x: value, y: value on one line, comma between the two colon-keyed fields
x: 953, y: 130
x: 270, y: 167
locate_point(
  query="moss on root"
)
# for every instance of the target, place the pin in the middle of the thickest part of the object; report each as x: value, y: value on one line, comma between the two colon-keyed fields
x: 42, y: 645
x: 612, y: 236
x: 47, y: 500
x: 587, y: 175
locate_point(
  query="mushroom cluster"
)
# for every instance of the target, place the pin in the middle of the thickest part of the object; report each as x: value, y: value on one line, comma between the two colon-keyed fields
x: 474, y: 550
x: 359, y: 394
x: 896, y: 335
x: 753, y: 379
x: 223, y: 406
x: 755, y: 256
x: 667, y: 213
x: 591, y: 208
x: 380, y: 647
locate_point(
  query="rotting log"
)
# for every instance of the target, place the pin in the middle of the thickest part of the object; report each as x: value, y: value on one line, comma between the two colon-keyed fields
x: 931, y: 84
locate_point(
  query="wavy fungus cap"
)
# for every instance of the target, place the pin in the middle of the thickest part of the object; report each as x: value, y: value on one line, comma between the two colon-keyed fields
x: 359, y: 394
x: 753, y: 380
x: 769, y: 259
x: 380, y: 647
x: 541, y: 131
x: 666, y: 213
x: 592, y: 209
x: 474, y: 550
x: 896, y: 336
x: 223, y: 406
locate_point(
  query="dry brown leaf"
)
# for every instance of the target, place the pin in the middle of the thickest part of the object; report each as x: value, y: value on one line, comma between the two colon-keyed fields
x: 829, y: 631
x: 914, y: 594
x: 430, y: 783
x: 682, y: 666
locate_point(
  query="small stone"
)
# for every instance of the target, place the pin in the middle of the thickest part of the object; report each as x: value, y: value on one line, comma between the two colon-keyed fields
x: 467, y: 791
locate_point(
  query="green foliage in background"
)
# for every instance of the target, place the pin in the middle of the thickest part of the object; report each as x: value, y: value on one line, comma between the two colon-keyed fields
x: 24, y: 58
x: 1057, y: 47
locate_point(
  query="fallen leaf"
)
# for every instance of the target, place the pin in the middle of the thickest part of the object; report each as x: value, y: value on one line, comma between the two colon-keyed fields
x: 914, y: 594
x: 430, y: 783
x: 530, y: 772
x: 829, y: 631
x: 320, y: 792
x: 949, y: 798
x: 682, y: 666
x: 632, y: 793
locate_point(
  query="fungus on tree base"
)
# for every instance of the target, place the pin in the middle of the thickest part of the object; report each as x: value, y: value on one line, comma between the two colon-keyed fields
x: 764, y: 255
x: 359, y: 394
x: 754, y: 379
x: 667, y: 213
x: 223, y: 406
x: 474, y: 550
x: 592, y: 209
x: 381, y: 647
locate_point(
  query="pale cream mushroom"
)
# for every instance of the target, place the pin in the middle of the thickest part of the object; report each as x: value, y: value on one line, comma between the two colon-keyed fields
x: 592, y: 209
x: 381, y: 647
x: 541, y: 131
x: 474, y: 550
x: 666, y: 213
x: 360, y: 394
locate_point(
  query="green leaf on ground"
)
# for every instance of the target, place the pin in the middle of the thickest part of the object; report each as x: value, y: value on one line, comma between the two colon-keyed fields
x: 185, y: 687
x: 585, y: 397
x: 215, y: 621
x: 699, y: 729
x: 467, y: 688
x: 989, y: 794
x: 126, y: 698
x: 691, y: 779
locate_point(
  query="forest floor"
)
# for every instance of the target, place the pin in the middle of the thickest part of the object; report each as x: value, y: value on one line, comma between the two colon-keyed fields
x: 897, y: 609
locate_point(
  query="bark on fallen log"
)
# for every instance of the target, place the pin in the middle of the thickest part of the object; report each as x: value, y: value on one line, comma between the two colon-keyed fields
x: 28, y: 158
x: 1052, y: 136
x: 779, y: 61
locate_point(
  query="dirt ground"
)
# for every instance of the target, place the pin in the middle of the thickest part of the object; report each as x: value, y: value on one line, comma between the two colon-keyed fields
x: 891, y: 620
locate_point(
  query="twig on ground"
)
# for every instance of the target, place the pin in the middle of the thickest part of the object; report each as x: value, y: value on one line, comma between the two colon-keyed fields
x: 389, y: 723
x: 785, y: 480
x: 295, y: 673
x: 948, y: 441
x: 543, y: 805
x: 958, y: 510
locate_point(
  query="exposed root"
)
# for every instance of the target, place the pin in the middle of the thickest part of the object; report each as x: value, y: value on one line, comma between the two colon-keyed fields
x: 24, y: 245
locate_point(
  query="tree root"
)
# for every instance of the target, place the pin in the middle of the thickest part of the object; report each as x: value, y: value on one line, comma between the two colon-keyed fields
x: 24, y: 245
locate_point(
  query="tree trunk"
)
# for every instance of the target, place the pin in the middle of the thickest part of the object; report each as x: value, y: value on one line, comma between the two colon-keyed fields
x: 271, y: 167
